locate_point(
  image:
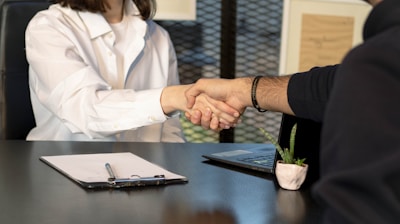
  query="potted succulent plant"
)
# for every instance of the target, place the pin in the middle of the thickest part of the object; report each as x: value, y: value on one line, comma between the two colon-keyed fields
x: 290, y: 172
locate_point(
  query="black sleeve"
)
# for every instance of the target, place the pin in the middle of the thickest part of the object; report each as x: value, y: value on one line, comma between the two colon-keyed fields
x: 308, y: 92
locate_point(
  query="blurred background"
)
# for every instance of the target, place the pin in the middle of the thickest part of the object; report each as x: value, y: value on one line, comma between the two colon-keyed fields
x: 230, y: 38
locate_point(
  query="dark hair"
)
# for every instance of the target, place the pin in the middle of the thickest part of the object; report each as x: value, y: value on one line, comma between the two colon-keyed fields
x: 147, y: 8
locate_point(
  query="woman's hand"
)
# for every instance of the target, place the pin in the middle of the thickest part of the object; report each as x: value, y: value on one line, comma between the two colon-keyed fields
x: 212, y: 114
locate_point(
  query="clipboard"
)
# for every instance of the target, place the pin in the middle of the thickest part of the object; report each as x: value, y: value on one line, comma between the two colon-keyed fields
x: 111, y: 170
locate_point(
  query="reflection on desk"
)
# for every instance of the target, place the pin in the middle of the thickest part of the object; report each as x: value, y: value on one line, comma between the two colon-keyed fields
x: 32, y: 192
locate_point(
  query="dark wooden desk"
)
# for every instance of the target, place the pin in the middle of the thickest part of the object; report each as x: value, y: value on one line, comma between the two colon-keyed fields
x: 32, y: 192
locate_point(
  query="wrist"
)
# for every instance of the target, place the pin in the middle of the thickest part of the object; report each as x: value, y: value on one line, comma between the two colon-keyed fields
x: 173, y: 98
x: 242, y: 90
x: 253, y: 94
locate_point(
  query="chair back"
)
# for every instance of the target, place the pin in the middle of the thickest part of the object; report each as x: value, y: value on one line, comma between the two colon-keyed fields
x: 16, y: 110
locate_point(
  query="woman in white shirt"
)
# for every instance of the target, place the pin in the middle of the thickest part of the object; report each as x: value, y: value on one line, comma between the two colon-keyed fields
x: 103, y: 70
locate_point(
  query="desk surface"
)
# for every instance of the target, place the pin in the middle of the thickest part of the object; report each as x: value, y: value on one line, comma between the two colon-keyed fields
x: 32, y: 192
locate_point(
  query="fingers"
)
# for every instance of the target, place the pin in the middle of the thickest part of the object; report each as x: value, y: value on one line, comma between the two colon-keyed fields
x: 214, y: 124
x: 209, y: 120
x: 225, y: 112
x: 194, y: 116
x: 206, y: 120
x: 203, y: 119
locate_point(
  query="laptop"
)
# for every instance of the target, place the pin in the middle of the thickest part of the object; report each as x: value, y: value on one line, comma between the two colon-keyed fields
x: 262, y: 158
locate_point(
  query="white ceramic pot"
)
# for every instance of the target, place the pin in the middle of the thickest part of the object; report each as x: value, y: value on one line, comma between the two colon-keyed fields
x: 290, y: 176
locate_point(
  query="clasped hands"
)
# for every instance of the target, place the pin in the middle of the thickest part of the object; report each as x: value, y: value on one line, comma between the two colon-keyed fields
x: 215, y: 104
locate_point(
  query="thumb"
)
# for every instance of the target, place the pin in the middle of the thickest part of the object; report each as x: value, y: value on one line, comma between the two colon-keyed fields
x: 191, y: 95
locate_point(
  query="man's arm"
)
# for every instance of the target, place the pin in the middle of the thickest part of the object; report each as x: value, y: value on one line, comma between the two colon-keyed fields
x: 303, y: 94
x: 270, y: 92
x: 270, y: 95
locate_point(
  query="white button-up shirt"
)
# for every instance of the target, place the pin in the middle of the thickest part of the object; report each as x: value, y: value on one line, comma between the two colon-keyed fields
x: 83, y: 89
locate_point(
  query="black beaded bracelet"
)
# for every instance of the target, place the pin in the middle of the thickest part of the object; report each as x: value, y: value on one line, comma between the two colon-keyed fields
x: 253, y: 94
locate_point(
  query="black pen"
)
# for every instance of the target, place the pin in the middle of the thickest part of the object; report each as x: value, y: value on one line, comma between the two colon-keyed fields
x: 110, y: 172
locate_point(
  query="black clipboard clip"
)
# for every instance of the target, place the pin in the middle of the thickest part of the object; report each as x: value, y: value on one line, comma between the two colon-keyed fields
x: 134, y: 180
x: 137, y: 181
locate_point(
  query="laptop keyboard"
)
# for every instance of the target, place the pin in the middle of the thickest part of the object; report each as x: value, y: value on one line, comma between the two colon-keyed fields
x: 263, y: 160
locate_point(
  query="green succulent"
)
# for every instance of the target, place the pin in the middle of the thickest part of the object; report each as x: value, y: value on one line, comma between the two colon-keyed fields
x: 286, y: 154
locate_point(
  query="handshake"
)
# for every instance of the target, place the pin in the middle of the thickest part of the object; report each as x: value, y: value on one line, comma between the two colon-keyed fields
x: 217, y: 104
